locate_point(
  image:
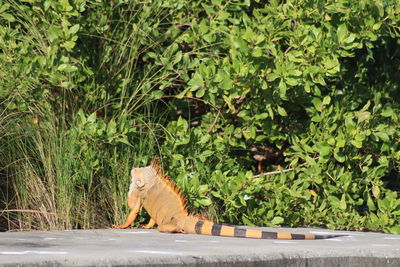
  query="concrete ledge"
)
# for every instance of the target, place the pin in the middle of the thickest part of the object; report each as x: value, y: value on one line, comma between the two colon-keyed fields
x: 134, y: 247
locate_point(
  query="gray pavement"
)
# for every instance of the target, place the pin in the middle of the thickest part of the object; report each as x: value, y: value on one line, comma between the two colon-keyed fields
x: 137, y: 247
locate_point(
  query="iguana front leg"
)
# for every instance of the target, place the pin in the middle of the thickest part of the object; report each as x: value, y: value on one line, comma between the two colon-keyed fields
x: 149, y: 225
x: 131, y: 218
x: 135, y: 204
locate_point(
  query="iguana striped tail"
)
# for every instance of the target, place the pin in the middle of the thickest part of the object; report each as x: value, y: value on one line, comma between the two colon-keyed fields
x: 202, y: 227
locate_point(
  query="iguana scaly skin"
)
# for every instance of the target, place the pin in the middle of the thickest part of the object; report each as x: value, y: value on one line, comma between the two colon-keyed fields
x: 164, y: 202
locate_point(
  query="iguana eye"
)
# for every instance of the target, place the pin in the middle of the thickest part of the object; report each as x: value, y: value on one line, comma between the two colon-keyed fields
x: 139, y: 183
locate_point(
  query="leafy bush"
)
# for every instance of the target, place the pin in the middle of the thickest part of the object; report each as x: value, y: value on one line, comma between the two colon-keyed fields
x: 283, y: 113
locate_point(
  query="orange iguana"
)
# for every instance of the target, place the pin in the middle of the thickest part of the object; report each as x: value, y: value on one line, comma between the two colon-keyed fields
x: 166, y: 206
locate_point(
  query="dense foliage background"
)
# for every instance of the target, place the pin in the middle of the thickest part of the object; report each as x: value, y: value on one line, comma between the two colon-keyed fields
x: 264, y: 113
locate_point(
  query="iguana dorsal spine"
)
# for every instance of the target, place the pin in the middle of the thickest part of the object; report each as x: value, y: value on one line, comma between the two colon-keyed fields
x: 152, y: 189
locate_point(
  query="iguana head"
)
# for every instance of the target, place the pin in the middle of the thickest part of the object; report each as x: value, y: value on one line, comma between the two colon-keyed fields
x: 142, y: 178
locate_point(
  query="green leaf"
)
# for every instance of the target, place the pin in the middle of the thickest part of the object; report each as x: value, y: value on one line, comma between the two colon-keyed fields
x: 47, y: 4
x: 351, y: 38
x: 310, y: 161
x: 123, y: 140
x: 209, y: 37
x: 331, y: 141
x: 207, y: 153
x: 246, y: 221
x: 342, y: 33
x: 282, y: 111
x: 324, y: 150
x: 152, y: 55
x: 339, y: 156
x: 376, y: 191
x: 7, y: 17
x: 250, y: 132
x: 387, y: 111
x: 370, y: 204
x: 257, y: 52
x: 363, y: 116
x: 226, y: 84
x: 228, y: 101
x: 200, y: 93
x: 291, y: 81
x: 383, y: 204
x: 317, y: 103
x: 69, y: 44
x: 277, y: 220
x: 327, y: 100
x: 111, y: 128
x: 204, y: 201
x: 196, y: 82
x: 177, y: 157
x: 261, y: 116
x: 203, y: 188
x: 340, y: 143
x: 343, y: 204
x: 4, y: 7
x: 178, y: 57
x: 239, y: 43
x: 296, y: 73
x: 395, y: 230
x: 316, y: 118
x: 74, y: 29
x: 261, y: 138
x: 92, y: 117
x: 157, y: 94
x: 307, y: 87
x: 335, y: 202
x: 282, y: 89
x: 383, y: 136
x: 272, y: 77
x: 356, y: 143
x: 67, y: 68
x: 65, y: 5
x: 320, y: 79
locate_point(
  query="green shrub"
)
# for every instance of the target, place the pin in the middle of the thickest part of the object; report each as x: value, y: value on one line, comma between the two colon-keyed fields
x: 306, y: 92
x: 314, y: 81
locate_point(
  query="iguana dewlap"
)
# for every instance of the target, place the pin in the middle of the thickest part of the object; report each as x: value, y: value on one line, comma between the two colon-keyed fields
x: 164, y: 202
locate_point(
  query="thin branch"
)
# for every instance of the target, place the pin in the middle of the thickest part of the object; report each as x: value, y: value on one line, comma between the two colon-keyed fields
x: 281, y: 171
x: 274, y: 172
x: 214, y: 122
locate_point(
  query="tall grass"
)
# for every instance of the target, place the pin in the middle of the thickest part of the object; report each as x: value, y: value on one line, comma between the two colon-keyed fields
x: 51, y: 186
x: 65, y: 161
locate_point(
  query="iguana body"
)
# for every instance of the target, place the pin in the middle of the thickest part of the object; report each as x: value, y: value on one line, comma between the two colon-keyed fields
x: 164, y: 202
